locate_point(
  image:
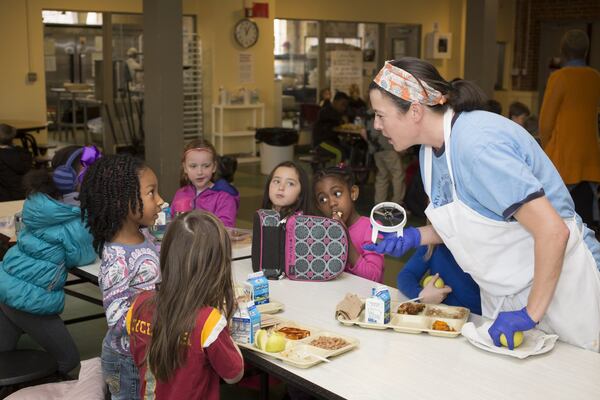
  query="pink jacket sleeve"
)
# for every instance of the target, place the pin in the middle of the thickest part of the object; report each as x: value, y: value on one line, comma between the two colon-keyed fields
x: 227, y: 208
x: 370, y: 264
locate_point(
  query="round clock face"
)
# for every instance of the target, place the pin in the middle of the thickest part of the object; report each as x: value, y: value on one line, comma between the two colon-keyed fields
x: 246, y: 33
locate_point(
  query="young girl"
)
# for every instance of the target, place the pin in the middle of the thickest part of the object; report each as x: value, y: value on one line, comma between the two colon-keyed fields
x: 335, y: 194
x: 198, y: 191
x: 459, y: 290
x: 287, y: 190
x: 33, y: 273
x: 119, y: 196
x: 179, y: 336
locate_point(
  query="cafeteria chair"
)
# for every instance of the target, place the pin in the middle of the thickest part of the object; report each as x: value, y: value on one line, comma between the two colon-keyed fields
x: 20, y: 367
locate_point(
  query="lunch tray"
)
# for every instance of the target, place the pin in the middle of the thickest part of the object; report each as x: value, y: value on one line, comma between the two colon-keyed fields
x: 299, y: 352
x: 418, y: 323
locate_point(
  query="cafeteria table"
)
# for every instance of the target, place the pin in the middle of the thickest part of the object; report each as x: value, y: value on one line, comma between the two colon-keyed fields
x: 392, y: 365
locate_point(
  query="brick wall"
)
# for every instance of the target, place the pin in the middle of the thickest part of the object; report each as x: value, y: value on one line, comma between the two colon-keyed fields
x: 542, y: 11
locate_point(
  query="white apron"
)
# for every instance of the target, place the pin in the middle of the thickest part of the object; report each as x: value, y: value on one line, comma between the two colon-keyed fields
x: 500, y: 257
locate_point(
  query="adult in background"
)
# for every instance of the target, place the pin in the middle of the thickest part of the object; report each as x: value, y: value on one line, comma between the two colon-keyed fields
x: 15, y: 162
x: 330, y: 116
x: 497, y: 203
x: 569, y: 124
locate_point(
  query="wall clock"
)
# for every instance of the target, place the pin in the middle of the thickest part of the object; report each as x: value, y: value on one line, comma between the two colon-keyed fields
x: 246, y: 33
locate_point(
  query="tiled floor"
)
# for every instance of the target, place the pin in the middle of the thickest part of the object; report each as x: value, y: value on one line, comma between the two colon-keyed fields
x: 250, y: 183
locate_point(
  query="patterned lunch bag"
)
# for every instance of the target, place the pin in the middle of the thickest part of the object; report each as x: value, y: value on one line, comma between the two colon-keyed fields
x: 305, y: 247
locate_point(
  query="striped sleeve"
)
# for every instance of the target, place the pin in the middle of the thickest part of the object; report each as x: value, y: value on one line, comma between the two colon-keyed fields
x: 213, y: 326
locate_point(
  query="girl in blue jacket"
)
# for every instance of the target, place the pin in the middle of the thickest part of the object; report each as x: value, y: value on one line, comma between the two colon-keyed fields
x: 459, y: 288
x: 34, y: 271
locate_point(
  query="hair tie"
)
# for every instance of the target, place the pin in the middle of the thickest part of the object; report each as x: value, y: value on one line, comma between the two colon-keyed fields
x: 89, y: 156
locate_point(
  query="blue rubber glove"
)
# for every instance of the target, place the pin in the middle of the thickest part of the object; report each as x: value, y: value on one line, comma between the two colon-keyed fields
x: 508, y: 322
x: 396, y: 245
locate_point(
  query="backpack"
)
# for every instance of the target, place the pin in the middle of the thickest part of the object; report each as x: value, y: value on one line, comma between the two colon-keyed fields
x: 304, y: 247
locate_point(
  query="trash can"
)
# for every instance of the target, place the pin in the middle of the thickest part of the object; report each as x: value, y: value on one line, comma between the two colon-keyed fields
x: 276, y: 146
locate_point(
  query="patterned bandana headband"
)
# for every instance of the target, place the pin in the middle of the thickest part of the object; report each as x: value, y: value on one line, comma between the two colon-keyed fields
x: 403, y: 84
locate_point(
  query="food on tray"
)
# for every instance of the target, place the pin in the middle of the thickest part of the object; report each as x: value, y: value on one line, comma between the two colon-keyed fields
x: 441, y: 326
x: 410, y: 308
x: 517, y: 339
x: 329, y: 343
x: 441, y: 313
x: 293, y: 333
x: 439, y: 283
x: 270, y: 342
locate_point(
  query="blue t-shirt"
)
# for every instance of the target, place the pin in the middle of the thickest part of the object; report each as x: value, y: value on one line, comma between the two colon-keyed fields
x: 498, y: 166
x: 465, y: 292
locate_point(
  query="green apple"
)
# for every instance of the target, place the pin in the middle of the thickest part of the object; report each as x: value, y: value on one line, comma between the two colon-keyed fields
x: 260, y: 340
x: 517, y: 339
x: 275, y: 343
x: 438, y: 284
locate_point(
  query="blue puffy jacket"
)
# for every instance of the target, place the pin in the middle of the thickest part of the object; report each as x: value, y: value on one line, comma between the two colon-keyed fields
x: 33, y: 273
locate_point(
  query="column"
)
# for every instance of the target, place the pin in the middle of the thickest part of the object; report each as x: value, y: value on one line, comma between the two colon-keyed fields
x: 163, y: 97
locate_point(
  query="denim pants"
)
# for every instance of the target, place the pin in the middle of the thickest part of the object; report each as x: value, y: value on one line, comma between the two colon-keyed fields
x: 120, y: 374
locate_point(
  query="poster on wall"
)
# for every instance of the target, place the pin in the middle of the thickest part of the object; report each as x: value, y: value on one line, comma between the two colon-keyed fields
x: 346, y: 69
x: 246, y: 68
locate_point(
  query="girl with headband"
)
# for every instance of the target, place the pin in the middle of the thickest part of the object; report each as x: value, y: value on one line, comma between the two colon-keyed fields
x: 199, y: 189
x: 496, y: 201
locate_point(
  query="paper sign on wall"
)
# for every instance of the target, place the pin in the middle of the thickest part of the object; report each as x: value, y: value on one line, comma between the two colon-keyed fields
x: 246, y: 68
x: 346, y: 69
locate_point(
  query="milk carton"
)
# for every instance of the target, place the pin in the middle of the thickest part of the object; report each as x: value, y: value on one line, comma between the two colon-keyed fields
x: 377, y: 307
x: 258, y: 287
x: 245, y: 323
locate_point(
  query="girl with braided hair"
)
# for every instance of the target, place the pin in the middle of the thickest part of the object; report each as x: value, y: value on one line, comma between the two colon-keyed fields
x: 335, y: 195
x: 119, y: 197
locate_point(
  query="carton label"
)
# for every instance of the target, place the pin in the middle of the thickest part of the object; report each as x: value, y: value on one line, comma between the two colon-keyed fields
x: 377, y: 307
x: 258, y: 287
x: 245, y: 323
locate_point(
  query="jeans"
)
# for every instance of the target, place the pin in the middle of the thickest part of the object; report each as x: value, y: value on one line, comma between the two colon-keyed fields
x: 49, y: 331
x: 120, y: 374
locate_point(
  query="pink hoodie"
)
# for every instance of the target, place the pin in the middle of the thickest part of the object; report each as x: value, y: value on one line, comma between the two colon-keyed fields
x: 222, y: 199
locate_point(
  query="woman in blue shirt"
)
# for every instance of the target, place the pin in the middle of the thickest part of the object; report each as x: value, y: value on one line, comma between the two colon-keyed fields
x: 497, y: 203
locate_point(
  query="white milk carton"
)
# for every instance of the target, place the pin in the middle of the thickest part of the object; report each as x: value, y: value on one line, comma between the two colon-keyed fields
x: 258, y: 287
x: 245, y: 323
x: 377, y: 307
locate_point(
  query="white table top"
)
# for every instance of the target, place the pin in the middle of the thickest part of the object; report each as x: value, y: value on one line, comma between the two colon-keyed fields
x: 238, y: 251
x: 392, y: 365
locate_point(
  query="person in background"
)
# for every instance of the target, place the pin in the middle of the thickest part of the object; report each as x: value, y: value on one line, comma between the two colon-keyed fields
x: 199, y: 190
x: 134, y: 68
x: 356, y: 105
x: 335, y: 194
x: 525, y: 247
x: 287, y: 190
x: 569, y: 125
x: 518, y: 112
x: 179, y: 336
x: 34, y: 271
x: 324, y: 97
x: 390, y: 169
x: 15, y: 162
x: 493, y: 106
x: 436, y: 260
x: 119, y: 197
x: 329, y: 117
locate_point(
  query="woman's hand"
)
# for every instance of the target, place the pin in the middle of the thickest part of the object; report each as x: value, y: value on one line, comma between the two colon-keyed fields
x: 508, y: 323
x: 395, y: 245
x: 433, y: 295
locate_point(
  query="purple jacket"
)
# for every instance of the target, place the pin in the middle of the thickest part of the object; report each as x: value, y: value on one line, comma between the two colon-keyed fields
x: 222, y: 199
